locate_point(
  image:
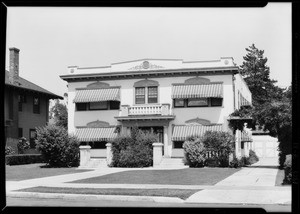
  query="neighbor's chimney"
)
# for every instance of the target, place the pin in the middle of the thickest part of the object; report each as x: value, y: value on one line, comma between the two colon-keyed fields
x: 14, y: 64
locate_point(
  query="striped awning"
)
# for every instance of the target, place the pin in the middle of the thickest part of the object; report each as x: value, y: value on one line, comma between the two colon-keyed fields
x: 97, y: 95
x: 197, y: 91
x: 244, y: 102
x: 245, y: 137
x: 182, y: 132
x: 95, y: 134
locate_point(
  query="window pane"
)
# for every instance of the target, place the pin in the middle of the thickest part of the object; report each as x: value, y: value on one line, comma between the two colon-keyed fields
x: 36, y: 105
x: 32, y: 137
x: 179, y: 102
x: 152, y: 94
x: 114, y: 105
x: 216, y: 101
x: 98, y: 105
x: 197, y: 102
x: 81, y: 106
x: 178, y: 144
x: 140, y: 95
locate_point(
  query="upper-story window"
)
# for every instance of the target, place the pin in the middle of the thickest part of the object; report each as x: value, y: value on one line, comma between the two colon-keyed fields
x: 198, y: 102
x: 146, y: 91
x: 36, y: 105
x: 103, y: 105
x: 140, y: 95
x: 21, y: 100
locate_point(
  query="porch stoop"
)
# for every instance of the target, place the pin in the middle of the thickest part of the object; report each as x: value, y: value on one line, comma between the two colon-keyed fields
x: 172, y: 163
x: 95, y: 163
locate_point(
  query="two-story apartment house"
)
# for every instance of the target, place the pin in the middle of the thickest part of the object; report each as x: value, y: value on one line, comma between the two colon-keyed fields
x: 175, y: 98
x: 26, y: 105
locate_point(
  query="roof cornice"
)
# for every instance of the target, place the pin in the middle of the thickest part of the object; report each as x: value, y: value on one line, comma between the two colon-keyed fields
x: 152, y: 73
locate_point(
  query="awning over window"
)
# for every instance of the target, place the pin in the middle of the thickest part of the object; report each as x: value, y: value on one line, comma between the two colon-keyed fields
x: 182, y: 132
x: 245, y: 137
x: 95, y: 134
x: 197, y: 91
x: 244, y: 102
x: 97, y: 95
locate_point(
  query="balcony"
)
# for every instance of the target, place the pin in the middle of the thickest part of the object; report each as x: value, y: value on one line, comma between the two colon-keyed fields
x: 161, y: 109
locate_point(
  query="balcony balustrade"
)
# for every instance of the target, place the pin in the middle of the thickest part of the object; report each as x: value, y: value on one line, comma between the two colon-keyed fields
x: 162, y: 109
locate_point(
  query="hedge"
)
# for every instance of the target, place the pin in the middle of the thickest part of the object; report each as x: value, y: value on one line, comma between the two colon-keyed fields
x: 288, y: 170
x: 24, y: 159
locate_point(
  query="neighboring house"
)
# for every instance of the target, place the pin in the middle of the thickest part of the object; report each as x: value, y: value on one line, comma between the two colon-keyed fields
x: 175, y: 98
x: 26, y: 104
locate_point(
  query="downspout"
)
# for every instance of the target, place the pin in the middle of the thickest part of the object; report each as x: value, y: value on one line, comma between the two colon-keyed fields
x: 233, y: 87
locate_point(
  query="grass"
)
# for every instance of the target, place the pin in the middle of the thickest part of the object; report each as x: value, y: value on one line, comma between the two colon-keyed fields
x: 180, y: 193
x: 279, y: 177
x: 187, y: 176
x: 31, y: 171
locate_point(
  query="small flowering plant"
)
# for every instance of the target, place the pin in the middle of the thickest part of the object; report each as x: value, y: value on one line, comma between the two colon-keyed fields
x: 22, y: 145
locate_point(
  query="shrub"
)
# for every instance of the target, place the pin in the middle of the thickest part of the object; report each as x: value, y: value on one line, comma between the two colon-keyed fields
x: 9, y: 150
x: 219, y: 144
x: 288, y: 170
x: 135, y: 150
x: 252, y: 157
x: 237, y: 163
x: 22, y: 145
x: 194, y: 152
x: 58, y: 148
x: 24, y: 159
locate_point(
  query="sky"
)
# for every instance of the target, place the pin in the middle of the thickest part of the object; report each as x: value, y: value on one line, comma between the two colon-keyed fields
x: 50, y: 38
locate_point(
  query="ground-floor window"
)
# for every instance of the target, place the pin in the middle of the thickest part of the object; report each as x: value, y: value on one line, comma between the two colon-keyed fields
x: 177, y: 144
x: 32, y: 138
x: 95, y: 144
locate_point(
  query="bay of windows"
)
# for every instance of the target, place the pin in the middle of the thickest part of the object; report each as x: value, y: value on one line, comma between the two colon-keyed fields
x: 197, y: 102
x: 104, y: 105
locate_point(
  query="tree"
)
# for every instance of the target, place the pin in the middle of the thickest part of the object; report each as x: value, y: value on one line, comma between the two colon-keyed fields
x: 271, y: 104
x: 277, y: 119
x: 257, y: 76
x: 60, y: 114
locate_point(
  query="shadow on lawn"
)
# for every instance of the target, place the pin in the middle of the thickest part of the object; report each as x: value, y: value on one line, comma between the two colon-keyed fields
x: 264, y: 166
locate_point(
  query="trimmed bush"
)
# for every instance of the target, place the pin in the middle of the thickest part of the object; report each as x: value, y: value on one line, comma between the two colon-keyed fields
x: 9, y: 150
x: 135, y: 150
x: 218, y: 144
x: 58, y: 148
x: 22, y: 145
x: 252, y: 157
x: 24, y: 159
x: 194, y: 152
x: 288, y: 170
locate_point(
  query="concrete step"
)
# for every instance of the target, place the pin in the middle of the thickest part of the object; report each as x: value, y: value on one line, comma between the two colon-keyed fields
x: 171, y: 163
x: 95, y: 163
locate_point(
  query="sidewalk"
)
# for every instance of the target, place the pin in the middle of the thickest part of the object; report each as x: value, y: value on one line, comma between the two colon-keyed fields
x: 260, y: 178
x: 251, y: 185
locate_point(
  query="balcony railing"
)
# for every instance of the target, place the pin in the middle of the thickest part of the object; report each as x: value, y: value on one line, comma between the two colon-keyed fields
x: 162, y: 109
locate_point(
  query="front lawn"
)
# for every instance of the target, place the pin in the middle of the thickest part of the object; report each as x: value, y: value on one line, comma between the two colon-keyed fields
x: 180, y: 193
x: 187, y: 176
x: 30, y: 171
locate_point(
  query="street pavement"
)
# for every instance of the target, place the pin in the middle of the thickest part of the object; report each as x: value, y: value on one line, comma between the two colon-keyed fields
x: 253, y: 185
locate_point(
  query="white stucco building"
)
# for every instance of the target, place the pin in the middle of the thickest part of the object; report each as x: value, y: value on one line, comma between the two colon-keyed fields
x: 174, y: 97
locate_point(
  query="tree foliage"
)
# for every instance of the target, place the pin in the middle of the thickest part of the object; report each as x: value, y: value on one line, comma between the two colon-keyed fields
x: 272, y: 105
x: 60, y: 114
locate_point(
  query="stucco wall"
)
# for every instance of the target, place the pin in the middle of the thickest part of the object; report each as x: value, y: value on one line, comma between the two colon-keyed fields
x: 214, y: 114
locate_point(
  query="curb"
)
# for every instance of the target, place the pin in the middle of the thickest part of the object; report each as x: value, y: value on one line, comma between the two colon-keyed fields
x: 95, y: 197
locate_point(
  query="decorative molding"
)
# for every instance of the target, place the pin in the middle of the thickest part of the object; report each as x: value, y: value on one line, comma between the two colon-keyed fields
x: 145, y: 83
x: 97, y: 124
x: 198, y: 121
x: 145, y: 65
x: 97, y: 84
x: 197, y: 80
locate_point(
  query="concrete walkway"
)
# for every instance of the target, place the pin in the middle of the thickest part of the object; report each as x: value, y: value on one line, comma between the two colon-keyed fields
x: 250, y: 185
x: 260, y: 178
